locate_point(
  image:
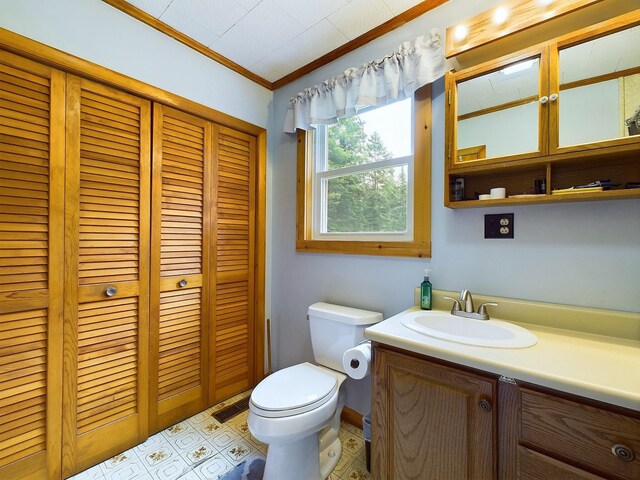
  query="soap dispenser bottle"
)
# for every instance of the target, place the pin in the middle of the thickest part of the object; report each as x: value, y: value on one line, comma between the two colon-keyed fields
x: 425, y: 291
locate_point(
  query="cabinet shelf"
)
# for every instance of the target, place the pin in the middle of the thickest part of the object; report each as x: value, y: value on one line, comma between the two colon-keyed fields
x: 619, y: 194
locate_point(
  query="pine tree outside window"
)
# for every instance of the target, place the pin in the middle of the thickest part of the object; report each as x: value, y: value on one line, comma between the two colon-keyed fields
x: 361, y: 167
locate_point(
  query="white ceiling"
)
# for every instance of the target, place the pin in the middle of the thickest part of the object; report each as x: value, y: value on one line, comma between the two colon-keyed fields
x: 273, y: 38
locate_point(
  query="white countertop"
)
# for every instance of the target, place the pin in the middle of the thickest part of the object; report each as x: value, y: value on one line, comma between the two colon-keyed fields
x: 594, y: 366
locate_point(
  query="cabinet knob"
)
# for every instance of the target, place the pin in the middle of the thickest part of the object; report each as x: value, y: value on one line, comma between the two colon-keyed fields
x: 553, y: 97
x: 544, y: 99
x: 484, y: 405
x: 182, y: 283
x: 623, y: 452
x: 111, y: 291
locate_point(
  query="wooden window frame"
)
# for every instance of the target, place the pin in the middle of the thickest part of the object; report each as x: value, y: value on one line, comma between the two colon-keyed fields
x: 420, y: 246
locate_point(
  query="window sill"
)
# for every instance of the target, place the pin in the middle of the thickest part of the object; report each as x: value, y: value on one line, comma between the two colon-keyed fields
x: 396, y: 249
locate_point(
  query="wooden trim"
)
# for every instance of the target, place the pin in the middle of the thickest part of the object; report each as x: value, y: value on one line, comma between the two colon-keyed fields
x: 551, y: 30
x: 523, y: 14
x: 303, y: 188
x: 386, y: 27
x: 422, y: 171
x: 421, y: 244
x: 162, y: 27
x: 363, y: 39
x: 214, y: 277
x: 600, y: 78
x: 56, y: 273
x: 351, y: 417
x: 600, y: 28
x: 260, y: 256
x: 71, y: 247
x: 75, y: 65
x: 42, y: 53
x: 497, y: 108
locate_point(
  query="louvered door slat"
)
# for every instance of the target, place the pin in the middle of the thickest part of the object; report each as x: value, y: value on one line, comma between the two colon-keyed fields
x: 31, y: 245
x: 180, y: 239
x: 106, y: 321
x: 233, y: 357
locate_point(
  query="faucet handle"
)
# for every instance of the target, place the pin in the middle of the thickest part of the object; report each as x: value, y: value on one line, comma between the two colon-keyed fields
x: 482, y: 310
x: 456, y: 307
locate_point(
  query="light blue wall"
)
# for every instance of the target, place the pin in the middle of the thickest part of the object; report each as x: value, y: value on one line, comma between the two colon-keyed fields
x: 584, y: 254
x: 95, y: 31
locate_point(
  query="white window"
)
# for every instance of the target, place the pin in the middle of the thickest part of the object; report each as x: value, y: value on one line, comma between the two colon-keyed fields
x: 363, y: 176
x: 364, y: 182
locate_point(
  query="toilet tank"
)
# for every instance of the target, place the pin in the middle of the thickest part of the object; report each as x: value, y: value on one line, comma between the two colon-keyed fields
x: 335, y: 329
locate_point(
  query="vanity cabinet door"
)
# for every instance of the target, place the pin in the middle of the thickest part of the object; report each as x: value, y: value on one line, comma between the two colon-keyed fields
x: 431, y: 421
x: 547, y: 436
x: 534, y: 466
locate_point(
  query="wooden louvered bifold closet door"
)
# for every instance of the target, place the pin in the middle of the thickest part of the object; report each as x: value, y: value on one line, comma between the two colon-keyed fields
x: 181, y: 225
x: 31, y: 267
x: 233, y: 368
x: 107, y: 226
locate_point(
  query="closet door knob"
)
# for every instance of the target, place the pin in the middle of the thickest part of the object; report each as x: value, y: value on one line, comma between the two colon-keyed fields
x: 484, y: 405
x: 182, y: 283
x: 111, y: 291
x: 623, y: 452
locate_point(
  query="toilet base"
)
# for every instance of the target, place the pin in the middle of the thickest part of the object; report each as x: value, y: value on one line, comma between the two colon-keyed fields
x: 329, y: 458
x: 294, y: 460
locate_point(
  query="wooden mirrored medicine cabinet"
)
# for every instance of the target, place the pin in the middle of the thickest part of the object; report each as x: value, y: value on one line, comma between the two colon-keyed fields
x: 563, y: 112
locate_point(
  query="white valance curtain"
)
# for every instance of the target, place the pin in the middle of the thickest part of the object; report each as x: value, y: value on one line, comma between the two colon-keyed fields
x: 394, y: 77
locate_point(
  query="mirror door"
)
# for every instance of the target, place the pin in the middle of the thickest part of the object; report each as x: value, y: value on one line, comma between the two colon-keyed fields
x: 598, y: 87
x: 499, y: 110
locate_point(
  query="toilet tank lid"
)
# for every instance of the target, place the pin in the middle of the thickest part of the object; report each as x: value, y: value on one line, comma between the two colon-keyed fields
x: 338, y: 313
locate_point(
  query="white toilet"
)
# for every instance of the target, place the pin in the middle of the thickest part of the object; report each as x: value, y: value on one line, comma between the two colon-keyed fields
x: 296, y: 410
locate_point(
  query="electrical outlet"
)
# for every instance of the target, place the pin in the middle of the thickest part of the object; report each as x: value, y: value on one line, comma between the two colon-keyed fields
x: 498, y: 225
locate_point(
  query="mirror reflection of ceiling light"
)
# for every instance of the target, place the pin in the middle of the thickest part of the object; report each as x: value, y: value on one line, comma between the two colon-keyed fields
x: 517, y: 67
x: 460, y: 33
x: 500, y: 16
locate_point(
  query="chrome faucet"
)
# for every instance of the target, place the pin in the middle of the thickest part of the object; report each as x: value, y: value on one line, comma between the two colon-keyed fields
x: 468, y: 311
x: 465, y: 296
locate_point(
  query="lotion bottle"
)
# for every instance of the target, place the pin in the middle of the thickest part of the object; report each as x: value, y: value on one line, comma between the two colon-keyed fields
x: 425, y: 291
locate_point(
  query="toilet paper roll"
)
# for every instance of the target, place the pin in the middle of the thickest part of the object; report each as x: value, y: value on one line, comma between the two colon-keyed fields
x: 357, y: 361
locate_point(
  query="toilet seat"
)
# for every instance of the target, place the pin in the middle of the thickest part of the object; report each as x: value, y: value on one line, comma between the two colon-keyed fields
x: 293, y: 390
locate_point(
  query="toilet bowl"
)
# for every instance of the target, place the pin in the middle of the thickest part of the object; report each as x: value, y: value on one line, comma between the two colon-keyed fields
x: 296, y: 410
x: 299, y: 422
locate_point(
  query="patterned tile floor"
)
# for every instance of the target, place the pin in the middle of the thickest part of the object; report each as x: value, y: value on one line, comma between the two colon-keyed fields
x: 202, y: 448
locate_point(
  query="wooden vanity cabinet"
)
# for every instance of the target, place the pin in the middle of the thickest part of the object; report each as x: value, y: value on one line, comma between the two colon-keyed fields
x: 548, y: 435
x: 431, y: 421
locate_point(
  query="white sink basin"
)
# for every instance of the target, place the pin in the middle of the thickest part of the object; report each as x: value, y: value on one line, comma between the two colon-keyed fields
x: 482, y: 333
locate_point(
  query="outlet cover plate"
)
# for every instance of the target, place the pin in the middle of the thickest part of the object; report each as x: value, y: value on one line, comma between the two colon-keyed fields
x: 498, y: 225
